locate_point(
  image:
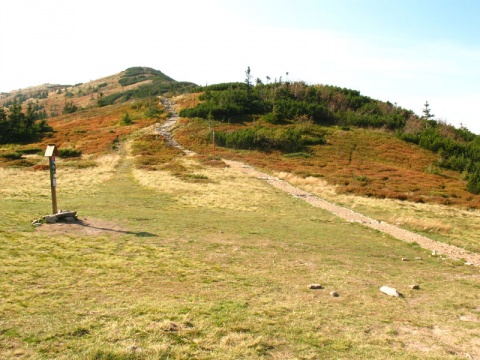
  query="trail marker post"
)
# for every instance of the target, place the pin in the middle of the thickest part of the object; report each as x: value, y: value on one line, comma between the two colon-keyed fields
x: 51, y: 152
x: 214, y: 143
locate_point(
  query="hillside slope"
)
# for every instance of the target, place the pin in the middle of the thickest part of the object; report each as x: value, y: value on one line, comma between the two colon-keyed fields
x: 372, y: 162
x: 135, y: 82
x: 184, y: 257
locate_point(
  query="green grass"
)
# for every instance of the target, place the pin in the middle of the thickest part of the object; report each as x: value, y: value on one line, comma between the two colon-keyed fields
x: 168, y: 281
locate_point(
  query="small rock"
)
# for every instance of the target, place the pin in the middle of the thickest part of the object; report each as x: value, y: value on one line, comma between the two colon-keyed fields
x: 468, y: 264
x: 315, y: 286
x: 334, y: 294
x: 415, y: 287
x: 70, y: 219
x: 389, y: 291
x: 50, y: 219
x: 434, y: 253
x: 418, y: 258
x: 404, y: 259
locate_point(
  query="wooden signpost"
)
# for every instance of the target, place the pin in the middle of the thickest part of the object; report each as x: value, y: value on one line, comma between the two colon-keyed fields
x: 51, y: 152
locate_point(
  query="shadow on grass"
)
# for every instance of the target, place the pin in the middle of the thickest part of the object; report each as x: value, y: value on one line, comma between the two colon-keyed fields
x: 136, y: 233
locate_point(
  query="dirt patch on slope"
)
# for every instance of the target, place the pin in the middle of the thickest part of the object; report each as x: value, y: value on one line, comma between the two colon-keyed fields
x: 83, y: 227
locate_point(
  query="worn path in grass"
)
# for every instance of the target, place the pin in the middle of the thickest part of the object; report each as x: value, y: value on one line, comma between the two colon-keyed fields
x: 452, y: 252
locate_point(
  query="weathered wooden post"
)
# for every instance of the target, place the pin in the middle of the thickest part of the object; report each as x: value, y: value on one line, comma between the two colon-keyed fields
x: 51, y: 152
x: 213, y: 143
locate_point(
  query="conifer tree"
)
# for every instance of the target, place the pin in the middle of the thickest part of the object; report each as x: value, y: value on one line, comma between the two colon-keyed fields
x: 427, y: 114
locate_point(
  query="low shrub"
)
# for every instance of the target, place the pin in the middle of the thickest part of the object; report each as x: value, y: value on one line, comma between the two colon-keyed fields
x: 284, y: 139
x: 196, y: 177
x: 473, y: 184
x: 85, y: 164
x: 148, y: 160
x: 31, y: 151
x: 152, y: 112
x: 20, y: 163
x: 69, y: 153
x: 260, y: 138
x: 301, y: 154
x: 126, y: 120
x: 12, y: 156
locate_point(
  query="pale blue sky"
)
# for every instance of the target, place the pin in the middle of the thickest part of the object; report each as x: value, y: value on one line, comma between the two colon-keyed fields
x: 403, y: 51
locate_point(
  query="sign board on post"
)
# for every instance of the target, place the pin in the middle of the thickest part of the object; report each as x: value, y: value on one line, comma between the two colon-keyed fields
x: 51, y: 152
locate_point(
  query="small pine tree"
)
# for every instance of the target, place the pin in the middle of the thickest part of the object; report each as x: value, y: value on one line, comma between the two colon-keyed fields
x: 69, y: 108
x: 248, y: 77
x: 126, y: 120
x: 427, y: 115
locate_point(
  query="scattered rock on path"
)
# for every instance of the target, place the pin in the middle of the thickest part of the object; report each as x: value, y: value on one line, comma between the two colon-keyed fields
x: 315, y: 286
x: 334, y: 294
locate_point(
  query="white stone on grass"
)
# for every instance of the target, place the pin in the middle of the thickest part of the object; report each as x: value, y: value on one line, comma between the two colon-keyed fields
x: 389, y: 291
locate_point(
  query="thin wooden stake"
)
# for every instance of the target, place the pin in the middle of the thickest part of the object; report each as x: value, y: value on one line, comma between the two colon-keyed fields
x: 53, y: 183
x: 213, y: 143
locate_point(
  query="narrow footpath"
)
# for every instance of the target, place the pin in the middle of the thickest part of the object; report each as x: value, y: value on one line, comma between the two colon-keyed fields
x: 450, y: 251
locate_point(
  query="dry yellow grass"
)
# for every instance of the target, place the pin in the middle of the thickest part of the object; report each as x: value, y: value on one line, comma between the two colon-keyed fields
x: 311, y: 184
x: 25, y: 184
x: 222, y: 188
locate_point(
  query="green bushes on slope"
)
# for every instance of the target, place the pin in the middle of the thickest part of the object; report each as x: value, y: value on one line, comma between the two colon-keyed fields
x: 281, y: 103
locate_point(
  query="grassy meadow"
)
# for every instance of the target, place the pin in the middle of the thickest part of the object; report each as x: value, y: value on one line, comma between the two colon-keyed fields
x: 183, y: 258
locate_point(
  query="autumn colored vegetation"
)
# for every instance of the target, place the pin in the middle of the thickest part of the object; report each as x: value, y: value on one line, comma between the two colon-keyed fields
x: 49, y: 101
x: 357, y: 144
x: 87, y: 118
x: 360, y: 145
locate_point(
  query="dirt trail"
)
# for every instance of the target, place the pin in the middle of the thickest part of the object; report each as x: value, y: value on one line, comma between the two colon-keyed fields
x: 166, y: 129
x: 449, y: 251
